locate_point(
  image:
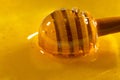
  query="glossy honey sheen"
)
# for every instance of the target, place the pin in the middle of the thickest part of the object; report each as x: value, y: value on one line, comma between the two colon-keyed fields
x: 20, y: 58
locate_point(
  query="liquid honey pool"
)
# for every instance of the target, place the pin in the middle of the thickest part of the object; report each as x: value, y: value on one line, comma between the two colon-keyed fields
x: 20, y: 58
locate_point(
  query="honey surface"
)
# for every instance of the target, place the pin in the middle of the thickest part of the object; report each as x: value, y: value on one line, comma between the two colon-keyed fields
x: 20, y: 58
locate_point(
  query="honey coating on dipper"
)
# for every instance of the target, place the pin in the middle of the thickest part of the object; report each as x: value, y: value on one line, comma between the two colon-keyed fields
x: 68, y: 33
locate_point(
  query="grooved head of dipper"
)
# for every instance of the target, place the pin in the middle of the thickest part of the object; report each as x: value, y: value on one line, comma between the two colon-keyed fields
x: 68, y: 33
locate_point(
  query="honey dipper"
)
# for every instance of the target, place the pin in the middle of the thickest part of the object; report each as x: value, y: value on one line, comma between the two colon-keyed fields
x: 71, y: 33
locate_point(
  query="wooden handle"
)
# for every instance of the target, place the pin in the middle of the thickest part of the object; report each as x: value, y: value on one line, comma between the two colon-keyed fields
x: 108, y: 25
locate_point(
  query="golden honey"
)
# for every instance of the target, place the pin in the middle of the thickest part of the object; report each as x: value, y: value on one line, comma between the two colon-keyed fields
x: 20, y: 58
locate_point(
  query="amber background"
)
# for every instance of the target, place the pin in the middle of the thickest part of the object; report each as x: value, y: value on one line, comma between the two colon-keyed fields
x: 20, y: 58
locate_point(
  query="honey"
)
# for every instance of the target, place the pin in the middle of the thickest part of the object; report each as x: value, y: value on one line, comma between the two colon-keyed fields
x: 20, y: 58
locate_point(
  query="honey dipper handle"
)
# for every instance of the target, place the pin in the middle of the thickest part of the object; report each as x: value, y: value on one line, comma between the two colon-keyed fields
x: 108, y: 25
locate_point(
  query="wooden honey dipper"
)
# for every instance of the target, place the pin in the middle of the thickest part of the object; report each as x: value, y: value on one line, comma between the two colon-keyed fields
x: 71, y: 33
